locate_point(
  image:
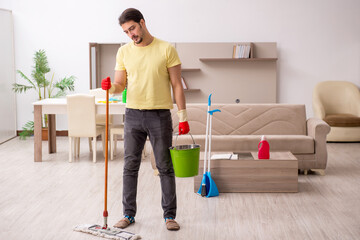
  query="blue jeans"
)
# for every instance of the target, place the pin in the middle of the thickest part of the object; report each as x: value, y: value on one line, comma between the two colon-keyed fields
x: 157, y: 124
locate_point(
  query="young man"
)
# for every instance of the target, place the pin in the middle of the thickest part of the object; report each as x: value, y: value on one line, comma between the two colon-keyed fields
x: 148, y: 68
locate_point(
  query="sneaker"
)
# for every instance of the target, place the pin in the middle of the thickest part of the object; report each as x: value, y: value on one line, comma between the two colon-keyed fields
x: 171, y: 224
x: 126, y: 221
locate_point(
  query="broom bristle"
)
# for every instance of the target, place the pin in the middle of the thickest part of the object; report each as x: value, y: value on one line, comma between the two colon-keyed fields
x: 203, y: 190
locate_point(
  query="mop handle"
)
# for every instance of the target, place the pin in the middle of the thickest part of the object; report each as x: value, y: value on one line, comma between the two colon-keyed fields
x: 106, y: 157
x: 206, y: 137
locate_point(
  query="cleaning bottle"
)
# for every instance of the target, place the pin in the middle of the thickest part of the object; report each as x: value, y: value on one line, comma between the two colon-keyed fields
x: 124, y: 96
x: 264, y: 148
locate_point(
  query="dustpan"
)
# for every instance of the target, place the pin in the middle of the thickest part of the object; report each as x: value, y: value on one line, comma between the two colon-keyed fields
x: 211, y: 186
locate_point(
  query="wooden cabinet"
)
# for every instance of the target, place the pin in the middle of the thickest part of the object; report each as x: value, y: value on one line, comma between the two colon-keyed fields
x: 209, y: 68
x: 102, y: 62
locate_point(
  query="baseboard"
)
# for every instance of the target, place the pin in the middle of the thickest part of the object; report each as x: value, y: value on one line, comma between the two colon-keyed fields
x: 62, y: 133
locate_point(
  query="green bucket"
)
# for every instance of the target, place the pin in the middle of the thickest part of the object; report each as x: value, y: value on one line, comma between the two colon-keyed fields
x: 185, y: 159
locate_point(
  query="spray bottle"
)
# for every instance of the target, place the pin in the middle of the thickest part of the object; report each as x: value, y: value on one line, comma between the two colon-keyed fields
x: 264, y: 148
x: 124, y: 96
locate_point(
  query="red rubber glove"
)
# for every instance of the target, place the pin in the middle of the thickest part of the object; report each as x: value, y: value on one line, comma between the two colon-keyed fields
x: 106, y: 83
x: 183, y: 128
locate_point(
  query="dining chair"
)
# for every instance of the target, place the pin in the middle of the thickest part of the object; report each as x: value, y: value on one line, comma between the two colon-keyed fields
x: 99, y: 93
x: 114, y: 131
x: 119, y: 130
x: 81, y: 112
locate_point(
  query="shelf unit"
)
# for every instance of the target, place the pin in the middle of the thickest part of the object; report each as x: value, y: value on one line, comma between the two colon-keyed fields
x: 250, y: 80
x: 209, y: 68
x: 190, y: 70
x: 237, y: 59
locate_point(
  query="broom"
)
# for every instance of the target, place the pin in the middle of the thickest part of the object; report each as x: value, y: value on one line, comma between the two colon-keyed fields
x: 208, y: 187
x: 105, y: 231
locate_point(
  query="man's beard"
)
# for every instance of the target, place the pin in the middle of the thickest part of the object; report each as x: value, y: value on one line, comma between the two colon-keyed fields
x: 140, y: 38
x: 139, y: 41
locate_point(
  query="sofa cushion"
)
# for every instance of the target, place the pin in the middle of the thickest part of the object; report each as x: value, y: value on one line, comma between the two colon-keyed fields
x: 297, y: 144
x: 342, y: 120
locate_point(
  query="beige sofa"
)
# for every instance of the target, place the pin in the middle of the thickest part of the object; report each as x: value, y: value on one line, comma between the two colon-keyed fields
x: 238, y: 127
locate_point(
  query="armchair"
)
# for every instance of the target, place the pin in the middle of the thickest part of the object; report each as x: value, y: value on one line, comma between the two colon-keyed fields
x: 338, y: 104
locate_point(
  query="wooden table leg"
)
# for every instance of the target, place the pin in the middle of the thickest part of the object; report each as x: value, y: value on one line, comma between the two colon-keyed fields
x: 52, y: 133
x: 37, y: 133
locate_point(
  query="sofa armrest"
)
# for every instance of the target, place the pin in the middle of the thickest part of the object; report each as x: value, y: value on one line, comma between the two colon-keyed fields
x: 318, y: 129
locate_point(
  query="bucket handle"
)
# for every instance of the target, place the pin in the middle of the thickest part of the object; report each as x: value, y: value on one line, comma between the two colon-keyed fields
x: 177, y: 134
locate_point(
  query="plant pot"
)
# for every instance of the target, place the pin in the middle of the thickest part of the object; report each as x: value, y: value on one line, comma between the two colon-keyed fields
x: 44, y: 134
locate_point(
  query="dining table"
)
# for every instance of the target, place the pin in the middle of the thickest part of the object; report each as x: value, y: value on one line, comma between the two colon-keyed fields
x: 55, y: 106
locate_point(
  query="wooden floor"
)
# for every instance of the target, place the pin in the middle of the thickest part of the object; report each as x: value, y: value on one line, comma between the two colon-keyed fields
x: 46, y: 200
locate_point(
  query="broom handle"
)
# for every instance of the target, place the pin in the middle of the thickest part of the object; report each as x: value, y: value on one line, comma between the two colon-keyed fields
x: 106, y: 157
x: 210, y: 143
x: 206, y: 137
x: 210, y: 127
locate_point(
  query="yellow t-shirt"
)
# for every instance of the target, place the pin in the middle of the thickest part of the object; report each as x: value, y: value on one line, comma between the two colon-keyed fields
x: 148, y: 80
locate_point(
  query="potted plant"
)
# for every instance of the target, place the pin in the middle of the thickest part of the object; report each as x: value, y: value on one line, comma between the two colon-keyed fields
x: 45, y: 88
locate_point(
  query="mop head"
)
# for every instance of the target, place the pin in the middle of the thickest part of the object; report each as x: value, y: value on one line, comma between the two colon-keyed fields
x: 111, y: 233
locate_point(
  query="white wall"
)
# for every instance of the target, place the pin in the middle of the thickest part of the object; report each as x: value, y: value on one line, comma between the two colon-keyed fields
x: 317, y: 40
x: 7, y: 77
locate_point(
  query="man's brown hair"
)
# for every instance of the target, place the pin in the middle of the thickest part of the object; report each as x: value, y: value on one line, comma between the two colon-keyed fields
x: 130, y: 14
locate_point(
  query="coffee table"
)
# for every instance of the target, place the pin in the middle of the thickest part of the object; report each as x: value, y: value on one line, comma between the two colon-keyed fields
x: 250, y: 174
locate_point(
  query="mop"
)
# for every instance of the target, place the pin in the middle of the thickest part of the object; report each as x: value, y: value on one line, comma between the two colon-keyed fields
x: 208, y: 187
x: 105, y: 231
